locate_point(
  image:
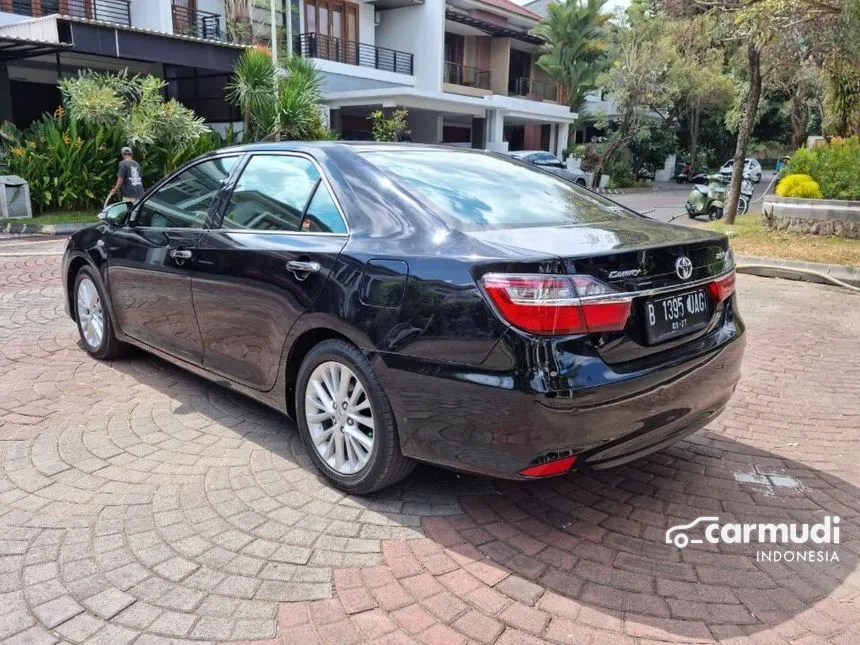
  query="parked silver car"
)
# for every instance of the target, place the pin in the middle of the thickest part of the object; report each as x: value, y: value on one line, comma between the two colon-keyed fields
x: 752, y: 169
x: 550, y: 163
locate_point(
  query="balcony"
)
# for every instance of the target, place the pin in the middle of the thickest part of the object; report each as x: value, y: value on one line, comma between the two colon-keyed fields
x: 196, y: 23
x: 115, y: 11
x: 532, y: 89
x: 353, y: 53
x: 466, y: 76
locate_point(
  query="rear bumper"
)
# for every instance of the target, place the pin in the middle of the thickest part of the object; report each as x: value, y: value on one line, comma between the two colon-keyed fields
x: 500, y: 422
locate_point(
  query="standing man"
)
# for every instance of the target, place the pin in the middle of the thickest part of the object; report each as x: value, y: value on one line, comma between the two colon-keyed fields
x: 129, y: 178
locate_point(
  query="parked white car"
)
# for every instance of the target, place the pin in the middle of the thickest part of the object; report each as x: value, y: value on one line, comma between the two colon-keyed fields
x: 550, y: 163
x: 752, y: 169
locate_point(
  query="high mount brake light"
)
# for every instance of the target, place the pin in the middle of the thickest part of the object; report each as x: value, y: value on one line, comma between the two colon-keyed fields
x: 721, y: 288
x: 555, y: 304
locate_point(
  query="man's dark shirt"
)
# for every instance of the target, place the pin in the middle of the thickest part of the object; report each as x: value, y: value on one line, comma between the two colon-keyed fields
x: 132, y: 179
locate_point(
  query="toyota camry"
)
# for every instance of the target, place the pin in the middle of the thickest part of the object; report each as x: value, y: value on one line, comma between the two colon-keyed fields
x: 409, y: 304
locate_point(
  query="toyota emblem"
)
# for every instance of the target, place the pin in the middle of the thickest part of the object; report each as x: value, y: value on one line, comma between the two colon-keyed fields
x: 683, y: 267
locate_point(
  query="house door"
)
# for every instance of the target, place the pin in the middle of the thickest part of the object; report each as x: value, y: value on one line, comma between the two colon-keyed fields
x: 184, y: 14
x: 521, y: 63
x: 331, y: 29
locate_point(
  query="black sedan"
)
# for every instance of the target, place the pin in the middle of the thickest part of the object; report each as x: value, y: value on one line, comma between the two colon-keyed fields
x: 406, y: 303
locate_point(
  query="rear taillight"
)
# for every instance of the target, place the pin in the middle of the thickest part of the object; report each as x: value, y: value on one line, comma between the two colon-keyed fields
x: 553, y: 305
x: 723, y: 287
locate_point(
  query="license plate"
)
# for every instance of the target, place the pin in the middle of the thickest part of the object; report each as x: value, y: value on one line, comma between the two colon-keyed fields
x: 676, y: 315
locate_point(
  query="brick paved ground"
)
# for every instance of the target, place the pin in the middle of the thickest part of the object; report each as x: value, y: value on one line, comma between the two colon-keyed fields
x: 141, y: 504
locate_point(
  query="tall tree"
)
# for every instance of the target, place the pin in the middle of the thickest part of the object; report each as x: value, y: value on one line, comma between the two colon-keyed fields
x: 696, y: 74
x: 574, y: 56
x: 637, y: 81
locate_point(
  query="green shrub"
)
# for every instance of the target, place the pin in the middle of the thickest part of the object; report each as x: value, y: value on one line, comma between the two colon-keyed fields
x: 72, y: 165
x: 69, y: 165
x: 835, y: 166
x: 798, y: 186
x: 70, y: 158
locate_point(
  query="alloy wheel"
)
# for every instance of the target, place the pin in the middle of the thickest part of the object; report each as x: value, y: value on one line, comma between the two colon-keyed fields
x: 91, y: 318
x: 339, y: 417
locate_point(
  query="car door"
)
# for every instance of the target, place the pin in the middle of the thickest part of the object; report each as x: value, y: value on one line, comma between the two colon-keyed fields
x: 150, y: 260
x: 268, y: 261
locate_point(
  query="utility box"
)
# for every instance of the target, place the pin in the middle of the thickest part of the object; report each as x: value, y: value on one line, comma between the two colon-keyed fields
x: 14, y: 197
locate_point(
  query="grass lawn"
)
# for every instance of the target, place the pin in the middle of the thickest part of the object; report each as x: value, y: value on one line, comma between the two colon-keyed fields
x: 749, y: 237
x: 66, y: 217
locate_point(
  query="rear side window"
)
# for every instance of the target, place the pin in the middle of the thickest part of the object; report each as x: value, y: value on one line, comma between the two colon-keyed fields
x: 489, y: 191
x: 282, y: 193
x: 185, y: 200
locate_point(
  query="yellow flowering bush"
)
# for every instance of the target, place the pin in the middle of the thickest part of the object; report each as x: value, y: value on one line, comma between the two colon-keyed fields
x: 798, y: 186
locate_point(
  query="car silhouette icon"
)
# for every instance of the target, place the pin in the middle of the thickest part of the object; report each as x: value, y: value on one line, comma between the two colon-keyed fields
x: 676, y: 535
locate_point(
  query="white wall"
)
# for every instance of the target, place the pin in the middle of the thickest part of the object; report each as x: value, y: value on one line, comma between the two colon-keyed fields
x: 366, y: 28
x: 9, y: 18
x: 152, y: 14
x: 419, y: 30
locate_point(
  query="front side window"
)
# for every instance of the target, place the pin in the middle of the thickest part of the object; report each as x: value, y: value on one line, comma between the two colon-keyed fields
x: 282, y: 193
x: 489, y: 191
x: 185, y: 200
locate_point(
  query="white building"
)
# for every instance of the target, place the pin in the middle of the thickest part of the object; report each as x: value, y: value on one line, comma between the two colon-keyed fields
x: 465, y: 69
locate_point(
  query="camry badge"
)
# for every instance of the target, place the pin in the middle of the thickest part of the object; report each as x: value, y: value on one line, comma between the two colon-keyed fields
x: 683, y: 267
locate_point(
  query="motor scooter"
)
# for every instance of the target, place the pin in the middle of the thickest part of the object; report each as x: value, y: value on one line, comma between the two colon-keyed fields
x: 710, y: 198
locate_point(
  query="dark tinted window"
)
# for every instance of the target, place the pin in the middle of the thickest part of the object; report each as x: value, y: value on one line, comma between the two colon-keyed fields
x: 322, y: 215
x: 488, y: 191
x: 546, y: 158
x: 185, y: 200
x: 272, y: 194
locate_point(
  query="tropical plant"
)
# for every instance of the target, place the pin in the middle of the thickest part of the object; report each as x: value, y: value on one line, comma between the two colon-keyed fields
x: 574, y: 56
x: 798, y: 186
x: 393, y: 128
x: 253, y: 90
x: 300, y: 97
x: 135, y: 103
x: 68, y: 164
x: 276, y: 107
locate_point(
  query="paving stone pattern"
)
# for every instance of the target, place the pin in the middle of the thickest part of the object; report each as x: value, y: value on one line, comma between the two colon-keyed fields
x: 140, y: 504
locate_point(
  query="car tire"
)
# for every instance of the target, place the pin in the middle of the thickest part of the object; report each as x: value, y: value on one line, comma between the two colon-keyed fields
x: 385, y: 464
x: 92, y: 313
x: 580, y: 182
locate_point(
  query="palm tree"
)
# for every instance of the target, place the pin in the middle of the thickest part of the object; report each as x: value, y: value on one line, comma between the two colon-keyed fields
x: 574, y: 53
x: 253, y: 89
x: 300, y: 99
x: 278, y: 106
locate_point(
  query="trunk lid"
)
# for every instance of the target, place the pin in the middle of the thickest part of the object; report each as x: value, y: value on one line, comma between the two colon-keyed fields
x: 632, y: 255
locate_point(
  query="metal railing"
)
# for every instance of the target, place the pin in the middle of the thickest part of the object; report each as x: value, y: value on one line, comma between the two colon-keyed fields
x: 197, y: 23
x: 532, y: 89
x: 458, y: 74
x: 116, y: 11
x: 347, y: 51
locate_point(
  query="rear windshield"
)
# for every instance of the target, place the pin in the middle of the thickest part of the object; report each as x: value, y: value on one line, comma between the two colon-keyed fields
x: 488, y: 191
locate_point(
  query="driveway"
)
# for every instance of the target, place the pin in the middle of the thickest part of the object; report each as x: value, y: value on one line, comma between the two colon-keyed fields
x: 668, y: 200
x: 141, y: 504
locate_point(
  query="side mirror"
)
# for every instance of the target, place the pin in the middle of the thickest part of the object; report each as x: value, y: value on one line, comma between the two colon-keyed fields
x: 116, y: 214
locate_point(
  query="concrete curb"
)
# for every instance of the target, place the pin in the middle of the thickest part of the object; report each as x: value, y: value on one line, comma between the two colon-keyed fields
x: 794, y: 270
x: 22, y: 228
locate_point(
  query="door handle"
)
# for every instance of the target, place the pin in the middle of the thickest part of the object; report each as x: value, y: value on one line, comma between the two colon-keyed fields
x: 180, y: 254
x: 298, y: 266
